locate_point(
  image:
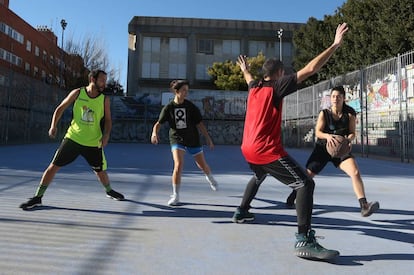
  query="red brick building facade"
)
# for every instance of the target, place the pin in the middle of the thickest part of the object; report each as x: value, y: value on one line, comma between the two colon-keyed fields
x: 35, y: 51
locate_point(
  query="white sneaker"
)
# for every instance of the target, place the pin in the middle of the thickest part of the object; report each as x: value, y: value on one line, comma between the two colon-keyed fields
x: 212, y: 181
x: 174, y: 201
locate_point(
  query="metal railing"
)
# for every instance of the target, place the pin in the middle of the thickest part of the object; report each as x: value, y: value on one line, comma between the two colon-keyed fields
x: 383, y: 96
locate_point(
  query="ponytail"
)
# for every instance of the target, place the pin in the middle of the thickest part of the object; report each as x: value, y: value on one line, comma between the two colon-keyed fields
x: 348, y: 109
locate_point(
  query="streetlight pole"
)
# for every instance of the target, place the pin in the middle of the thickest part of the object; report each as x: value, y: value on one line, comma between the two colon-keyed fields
x: 280, y: 34
x: 63, y: 24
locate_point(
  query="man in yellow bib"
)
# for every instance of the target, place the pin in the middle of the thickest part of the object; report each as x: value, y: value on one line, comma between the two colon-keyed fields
x: 84, y: 136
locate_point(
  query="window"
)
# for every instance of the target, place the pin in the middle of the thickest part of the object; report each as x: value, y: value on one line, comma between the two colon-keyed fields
x: 205, y: 46
x: 255, y: 47
x: 177, y: 58
x: 201, y: 72
x: 28, y: 46
x: 11, y: 32
x: 18, y: 36
x: 150, y: 70
x: 231, y: 47
x: 9, y: 57
x: 27, y: 67
x: 2, y: 27
x: 152, y: 44
x: 19, y: 61
x: 151, y: 57
x: 177, y: 71
x: 37, y: 51
x: 44, y: 56
x: 178, y: 45
x: 35, y: 71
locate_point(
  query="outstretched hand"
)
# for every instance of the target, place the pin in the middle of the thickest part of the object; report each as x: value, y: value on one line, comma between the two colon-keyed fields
x: 339, y: 35
x: 242, y: 62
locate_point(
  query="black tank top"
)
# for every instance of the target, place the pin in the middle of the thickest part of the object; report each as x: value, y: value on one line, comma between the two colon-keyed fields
x: 336, y: 127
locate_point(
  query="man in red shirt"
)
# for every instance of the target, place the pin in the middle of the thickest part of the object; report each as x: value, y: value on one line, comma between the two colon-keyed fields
x: 262, y: 145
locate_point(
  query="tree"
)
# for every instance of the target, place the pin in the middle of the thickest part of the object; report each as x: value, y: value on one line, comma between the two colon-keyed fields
x: 309, y: 40
x: 113, y: 87
x: 228, y: 76
x: 94, y: 55
x: 378, y: 30
x: 92, y: 51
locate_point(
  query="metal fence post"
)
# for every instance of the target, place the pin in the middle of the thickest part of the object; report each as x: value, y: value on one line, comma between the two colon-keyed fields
x: 402, y: 119
x: 363, y: 106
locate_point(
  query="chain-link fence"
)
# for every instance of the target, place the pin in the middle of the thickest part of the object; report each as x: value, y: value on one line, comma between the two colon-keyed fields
x: 383, y: 96
x: 26, y: 106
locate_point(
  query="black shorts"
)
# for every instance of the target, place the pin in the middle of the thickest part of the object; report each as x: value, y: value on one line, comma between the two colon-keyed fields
x: 285, y: 169
x: 320, y: 157
x: 69, y: 150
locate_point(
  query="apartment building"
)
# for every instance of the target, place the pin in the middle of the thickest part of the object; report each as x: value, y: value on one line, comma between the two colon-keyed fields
x: 164, y: 48
x: 35, y: 51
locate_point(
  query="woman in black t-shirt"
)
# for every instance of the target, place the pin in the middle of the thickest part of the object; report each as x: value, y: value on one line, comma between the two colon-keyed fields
x: 340, y: 119
x: 184, y: 119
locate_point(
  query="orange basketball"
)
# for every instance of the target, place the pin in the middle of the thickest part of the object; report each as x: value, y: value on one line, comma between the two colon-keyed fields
x: 339, y: 148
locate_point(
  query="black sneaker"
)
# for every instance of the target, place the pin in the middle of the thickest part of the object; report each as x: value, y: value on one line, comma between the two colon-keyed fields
x: 115, y: 195
x: 369, y: 208
x: 31, y: 203
x: 290, y: 201
x: 307, y: 247
x: 240, y: 216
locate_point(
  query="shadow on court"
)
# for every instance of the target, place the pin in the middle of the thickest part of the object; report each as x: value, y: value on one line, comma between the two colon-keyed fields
x: 79, y: 231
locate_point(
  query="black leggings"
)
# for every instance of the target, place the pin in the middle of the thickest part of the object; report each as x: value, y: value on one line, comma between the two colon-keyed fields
x: 289, y: 172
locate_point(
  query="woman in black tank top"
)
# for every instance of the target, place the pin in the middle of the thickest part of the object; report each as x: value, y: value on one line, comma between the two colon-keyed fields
x: 340, y: 119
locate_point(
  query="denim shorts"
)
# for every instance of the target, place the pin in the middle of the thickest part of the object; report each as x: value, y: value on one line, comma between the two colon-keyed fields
x: 192, y: 150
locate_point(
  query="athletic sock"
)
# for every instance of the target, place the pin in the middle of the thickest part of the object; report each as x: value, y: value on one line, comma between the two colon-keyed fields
x: 41, y: 189
x: 108, y: 187
x: 176, y: 188
x: 362, y: 202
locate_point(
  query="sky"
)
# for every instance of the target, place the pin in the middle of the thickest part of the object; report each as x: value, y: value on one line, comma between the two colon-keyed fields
x: 109, y: 20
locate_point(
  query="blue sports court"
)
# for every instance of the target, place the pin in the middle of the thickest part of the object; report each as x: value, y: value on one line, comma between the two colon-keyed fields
x: 80, y: 231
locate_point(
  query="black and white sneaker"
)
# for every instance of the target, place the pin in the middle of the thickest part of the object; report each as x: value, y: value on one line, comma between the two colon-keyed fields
x: 369, y: 208
x: 31, y: 203
x: 115, y: 195
x: 307, y: 247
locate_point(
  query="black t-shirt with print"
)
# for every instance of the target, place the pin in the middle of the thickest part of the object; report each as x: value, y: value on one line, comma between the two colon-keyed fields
x: 182, y: 119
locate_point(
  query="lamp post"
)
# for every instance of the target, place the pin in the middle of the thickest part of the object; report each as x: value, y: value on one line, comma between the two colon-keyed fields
x: 280, y: 34
x: 63, y: 23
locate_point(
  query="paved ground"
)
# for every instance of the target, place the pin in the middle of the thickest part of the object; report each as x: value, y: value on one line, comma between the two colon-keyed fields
x: 80, y: 231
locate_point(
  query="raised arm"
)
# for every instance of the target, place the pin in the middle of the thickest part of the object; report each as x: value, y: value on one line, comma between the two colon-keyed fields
x: 244, y: 67
x: 318, y: 62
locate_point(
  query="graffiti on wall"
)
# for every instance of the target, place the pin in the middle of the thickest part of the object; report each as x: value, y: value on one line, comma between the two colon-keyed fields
x: 212, y: 104
x: 223, y: 113
x: 382, y: 94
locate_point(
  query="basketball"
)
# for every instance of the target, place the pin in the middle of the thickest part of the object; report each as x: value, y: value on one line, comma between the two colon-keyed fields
x: 339, y: 148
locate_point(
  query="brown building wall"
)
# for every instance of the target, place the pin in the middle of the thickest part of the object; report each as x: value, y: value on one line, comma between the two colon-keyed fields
x: 49, y: 53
